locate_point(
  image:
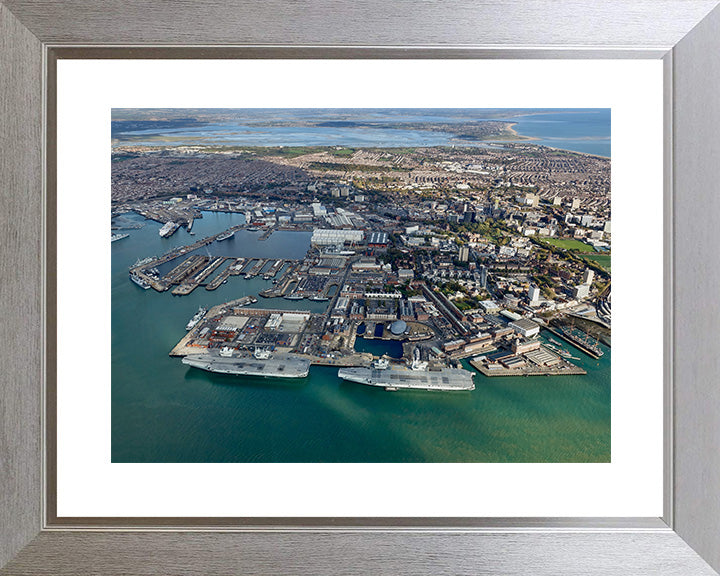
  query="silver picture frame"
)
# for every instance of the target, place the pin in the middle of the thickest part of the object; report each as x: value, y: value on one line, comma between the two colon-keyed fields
x: 685, y: 34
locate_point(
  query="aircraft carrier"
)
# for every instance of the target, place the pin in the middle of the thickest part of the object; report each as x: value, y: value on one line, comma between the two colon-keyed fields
x: 402, y: 378
x: 261, y: 364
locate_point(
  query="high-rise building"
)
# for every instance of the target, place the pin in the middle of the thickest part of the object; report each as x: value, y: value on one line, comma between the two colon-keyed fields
x: 588, y: 276
x: 586, y: 220
x: 534, y: 295
x: 575, y: 204
x: 463, y: 253
x: 581, y: 291
x: 483, y: 276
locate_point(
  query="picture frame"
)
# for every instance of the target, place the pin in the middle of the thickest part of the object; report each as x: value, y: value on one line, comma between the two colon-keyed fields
x: 681, y: 33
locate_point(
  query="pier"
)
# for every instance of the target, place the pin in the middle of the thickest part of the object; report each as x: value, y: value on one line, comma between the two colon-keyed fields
x: 255, y: 270
x: 273, y: 269
x: 562, y: 369
x: 575, y: 342
x: 232, y: 270
x: 211, y: 264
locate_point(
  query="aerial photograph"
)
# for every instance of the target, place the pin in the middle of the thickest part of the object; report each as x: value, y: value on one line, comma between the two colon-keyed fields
x: 333, y: 285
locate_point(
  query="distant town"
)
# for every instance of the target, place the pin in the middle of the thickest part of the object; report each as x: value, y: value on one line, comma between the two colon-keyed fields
x: 456, y: 253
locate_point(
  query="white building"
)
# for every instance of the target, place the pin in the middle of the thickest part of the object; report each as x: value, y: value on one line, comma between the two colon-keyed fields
x: 489, y: 306
x: 325, y: 237
x: 588, y: 276
x: 507, y: 251
x: 405, y: 274
x: 586, y: 220
x: 581, y: 291
x: 318, y: 209
x: 526, y: 327
x: 534, y: 295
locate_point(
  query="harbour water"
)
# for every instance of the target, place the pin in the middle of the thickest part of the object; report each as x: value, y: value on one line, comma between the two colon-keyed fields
x: 576, y: 129
x: 164, y: 411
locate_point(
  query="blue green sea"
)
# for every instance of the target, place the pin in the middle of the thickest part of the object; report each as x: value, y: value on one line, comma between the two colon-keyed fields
x: 163, y: 411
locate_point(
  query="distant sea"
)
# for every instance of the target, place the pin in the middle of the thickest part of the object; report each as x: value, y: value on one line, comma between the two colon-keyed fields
x: 163, y: 411
x: 578, y: 130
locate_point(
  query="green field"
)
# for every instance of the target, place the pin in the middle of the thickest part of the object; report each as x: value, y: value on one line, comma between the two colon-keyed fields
x: 569, y: 244
x: 602, y: 259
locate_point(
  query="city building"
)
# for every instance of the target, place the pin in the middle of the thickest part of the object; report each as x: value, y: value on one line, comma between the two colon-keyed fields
x: 489, y: 306
x: 581, y: 291
x: 525, y: 327
x: 463, y: 253
x: 325, y: 237
x: 523, y: 346
x: 534, y: 295
x: 405, y: 274
x: 483, y: 271
x: 588, y: 276
x: 377, y: 240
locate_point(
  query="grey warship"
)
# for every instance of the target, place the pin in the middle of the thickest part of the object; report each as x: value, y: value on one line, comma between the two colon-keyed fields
x: 447, y: 379
x: 262, y: 363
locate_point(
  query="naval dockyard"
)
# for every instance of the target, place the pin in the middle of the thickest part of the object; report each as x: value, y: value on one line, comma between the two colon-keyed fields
x: 363, y: 298
x: 428, y: 298
x: 499, y: 280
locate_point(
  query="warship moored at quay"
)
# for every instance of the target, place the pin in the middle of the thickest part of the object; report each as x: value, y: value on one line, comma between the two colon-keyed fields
x: 137, y: 279
x: 226, y: 235
x: 262, y: 363
x: 168, y: 229
x: 396, y: 378
x: 199, y: 315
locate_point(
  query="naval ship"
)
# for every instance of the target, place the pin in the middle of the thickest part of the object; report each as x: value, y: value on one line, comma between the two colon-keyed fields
x: 260, y: 363
x: 226, y: 235
x: 199, y: 315
x: 415, y: 377
x: 168, y: 229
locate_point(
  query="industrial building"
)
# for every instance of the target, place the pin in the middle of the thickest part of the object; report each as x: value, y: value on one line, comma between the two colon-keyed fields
x: 526, y: 327
x: 329, y: 237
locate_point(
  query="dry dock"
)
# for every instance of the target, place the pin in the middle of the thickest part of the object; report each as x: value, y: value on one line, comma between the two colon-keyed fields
x: 190, y: 284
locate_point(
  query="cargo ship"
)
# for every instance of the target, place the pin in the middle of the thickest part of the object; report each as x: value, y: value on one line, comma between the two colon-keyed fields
x: 262, y: 363
x: 396, y: 378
